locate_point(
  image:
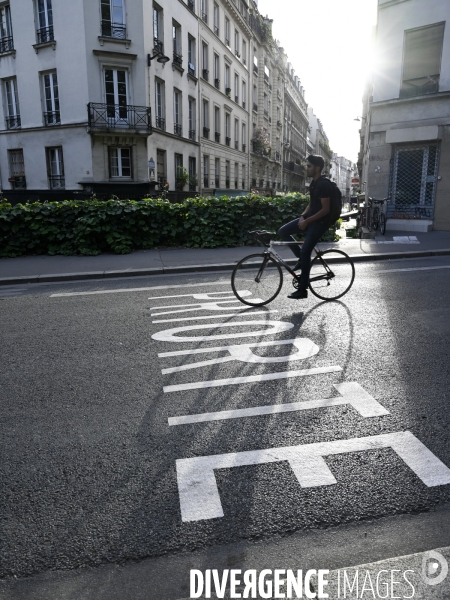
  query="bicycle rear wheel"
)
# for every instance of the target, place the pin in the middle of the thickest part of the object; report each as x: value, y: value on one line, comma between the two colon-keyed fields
x: 332, y: 275
x: 257, y: 280
x: 375, y: 218
x: 382, y: 223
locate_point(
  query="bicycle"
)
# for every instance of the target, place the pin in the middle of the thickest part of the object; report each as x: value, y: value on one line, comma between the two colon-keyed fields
x: 257, y: 279
x: 378, y: 215
x: 363, y: 218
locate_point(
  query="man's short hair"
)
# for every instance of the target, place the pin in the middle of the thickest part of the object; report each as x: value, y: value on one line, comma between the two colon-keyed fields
x: 316, y: 160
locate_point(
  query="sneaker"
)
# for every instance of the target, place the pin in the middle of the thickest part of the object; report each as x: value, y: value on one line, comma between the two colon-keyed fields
x: 297, y: 266
x: 298, y: 294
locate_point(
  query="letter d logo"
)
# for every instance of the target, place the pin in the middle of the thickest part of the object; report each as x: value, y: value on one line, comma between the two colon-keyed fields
x: 434, y: 568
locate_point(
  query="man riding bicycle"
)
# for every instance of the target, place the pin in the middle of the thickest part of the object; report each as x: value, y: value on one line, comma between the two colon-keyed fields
x: 314, y: 221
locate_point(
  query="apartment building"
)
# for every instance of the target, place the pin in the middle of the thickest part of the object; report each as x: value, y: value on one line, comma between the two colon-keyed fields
x: 341, y: 172
x: 295, y: 133
x: 224, y: 82
x: 405, y: 126
x: 319, y: 140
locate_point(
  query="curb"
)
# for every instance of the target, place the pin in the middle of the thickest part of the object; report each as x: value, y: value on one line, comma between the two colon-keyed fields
x: 199, y: 268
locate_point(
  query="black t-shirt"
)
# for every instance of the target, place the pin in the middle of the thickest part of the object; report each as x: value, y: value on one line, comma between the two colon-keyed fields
x: 321, y: 188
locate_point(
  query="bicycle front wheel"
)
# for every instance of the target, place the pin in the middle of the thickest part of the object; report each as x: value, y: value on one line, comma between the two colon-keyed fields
x: 382, y: 223
x: 375, y: 218
x: 257, y: 280
x: 332, y: 275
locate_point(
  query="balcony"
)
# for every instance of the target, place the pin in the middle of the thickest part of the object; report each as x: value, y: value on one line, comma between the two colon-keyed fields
x: 270, y: 119
x: 236, y: 145
x: 266, y: 113
x: 217, y: 182
x: 255, y: 107
x: 192, y: 134
x: 114, y: 30
x: 255, y: 69
x: 13, y: 122
x: 411, y: 88
x: 177, y: 129
x: 57, y: 182
x: 278, y: 156
x: 227, y: 184
x: 52, y: 118
x: 45, y: 34
x: 205, y: 74
x: 190, y: 4
x: 228, y: 91
x: 160, y: 123
x: 178, y: 60
x: 206, y: 181
x: 217, y: 137
x: 6, y: 44
x: 279, y: 94
x: 116, y: 116
x: 191, y: 69
x: 279, y: 123
x: 243, y: 104
x: 244, y: 147
x: 227, y: 141
x: 206, y: 132
x: 217, y: 83
x: 158, y: 46
x: 227, y: 42
x: 204, y: 17
x: 216, y: 30
x: 236, y: 99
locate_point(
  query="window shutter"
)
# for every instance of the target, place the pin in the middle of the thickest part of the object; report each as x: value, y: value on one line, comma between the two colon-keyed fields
x: 423, y: 51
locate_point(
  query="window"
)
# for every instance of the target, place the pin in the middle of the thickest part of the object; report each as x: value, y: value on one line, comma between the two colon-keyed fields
x: 236, y: 134
x: 205, y: 119
x: 158, y: 29
x: 255, y: 98
x: 236, y: 175
x: 6, y: 36
x: 227, y: 174
x: 217, y: 172
x: 205, y: 11
x: 191, y: 56
x: 176, y: 40
x: 178, y: 171
x: 227, y: 80
x: 244, y: 52
x: 12, y: 104
x: 244, y: 137
x: 236, y: 43
x: 116, y: 94
x: 120, y: 162
x: 192, y: 119
x: 422, y: 60
x: 192, y: 173
x: 51, y: 99
x: 227, y: 129
x: 205, y: 171
x: 205, y: 61
x: 45, y: 21
x: 227, y: 31
x: 160, y: 121
x: 244, y: 93
x: 217, y: 123
x: 243, y: 177
x: 236, y: 87
x: 113, y: 19
x: 55, y: 168
x: 161, y: 166
x: 216, y: 71
x: 177, y: 129
x: 216, y: 19
x: 255, y: 64
x: 17, y: 170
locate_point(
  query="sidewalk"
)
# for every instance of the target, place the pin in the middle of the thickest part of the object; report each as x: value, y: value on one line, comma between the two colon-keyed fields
x: 38, y: 269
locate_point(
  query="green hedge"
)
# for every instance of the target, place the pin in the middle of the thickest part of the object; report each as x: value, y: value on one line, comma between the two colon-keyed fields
x: 92, y: 226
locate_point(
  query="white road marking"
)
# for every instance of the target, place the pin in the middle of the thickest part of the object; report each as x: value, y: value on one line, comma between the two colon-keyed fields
x: 352, y: 393
x: 243, y: 353
x: 197, y: 486
x: 168, y: 335
x: 223, y: 348
x: 204, y: 296
x: 143, y: 289
x: 245, y: 312
x: 218, y: 305
x: 414, y: 269
x: 195, y: 385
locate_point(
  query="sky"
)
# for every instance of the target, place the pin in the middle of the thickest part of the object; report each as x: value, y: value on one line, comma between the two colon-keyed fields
x: 328, y: 45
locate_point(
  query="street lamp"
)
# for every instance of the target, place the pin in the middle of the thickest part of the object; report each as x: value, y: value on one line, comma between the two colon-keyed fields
x: 161, y: 58
x: 360, y: 118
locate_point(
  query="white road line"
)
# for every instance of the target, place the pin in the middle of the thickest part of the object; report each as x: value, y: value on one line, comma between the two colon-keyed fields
x: 352, y: 393
x: 271, y: 328
x: 240, y: 313
x: 143, y: 289
x: 197, y: 486
x: 224, y: 348
x: 413, y: 269
x: 195, y: 385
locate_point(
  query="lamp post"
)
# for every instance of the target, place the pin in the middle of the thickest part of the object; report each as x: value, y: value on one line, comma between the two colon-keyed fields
x: 161, y: 58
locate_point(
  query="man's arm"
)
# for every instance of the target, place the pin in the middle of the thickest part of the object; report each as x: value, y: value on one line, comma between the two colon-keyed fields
x: 303, y: 223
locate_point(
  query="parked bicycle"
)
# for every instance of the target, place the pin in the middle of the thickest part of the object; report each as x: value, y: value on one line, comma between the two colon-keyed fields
x: 332, y: 273
x: 372, y: 216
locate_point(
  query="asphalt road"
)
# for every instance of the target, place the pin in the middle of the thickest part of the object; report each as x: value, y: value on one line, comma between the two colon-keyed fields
x: 89, y: 465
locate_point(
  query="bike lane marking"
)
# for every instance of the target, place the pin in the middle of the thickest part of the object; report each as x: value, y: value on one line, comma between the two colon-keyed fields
x: 351, y: 393
x: 199, y: 494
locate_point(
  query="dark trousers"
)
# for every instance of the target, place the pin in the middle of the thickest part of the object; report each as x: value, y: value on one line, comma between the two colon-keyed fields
x: 313, y: 233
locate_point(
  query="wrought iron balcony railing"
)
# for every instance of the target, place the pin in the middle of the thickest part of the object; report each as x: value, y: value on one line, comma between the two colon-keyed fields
x: 160, y: 123
x: 114, y: 30
x: 192, y: 134
x: 205, y: 74
x: 177, y: 129
x: 217, y: 182
x: 57, y: 182
x: 279, y: 123
x: 244, y: 147
x: 217, y: 136
x: 45, y: 34
x: 217, y: 83
x: 206, y: 181
x: 190, y: 4
x: 204, y: 17
x: 178, y: 60
x: 216, y: 30
x: 411, y: 89
x: 227, y: 91
x: 243, y: 104
x: 227, y: 141
x: 206, y: 132
x: 13, y: 122
x: 52, y: 118
x: 191, y: 69
x: 6, y: 44
x: 236, y: 99
x: 236, y: 145
x: 111, y: 116
x: 255, y: 107
x: 158, y: 46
